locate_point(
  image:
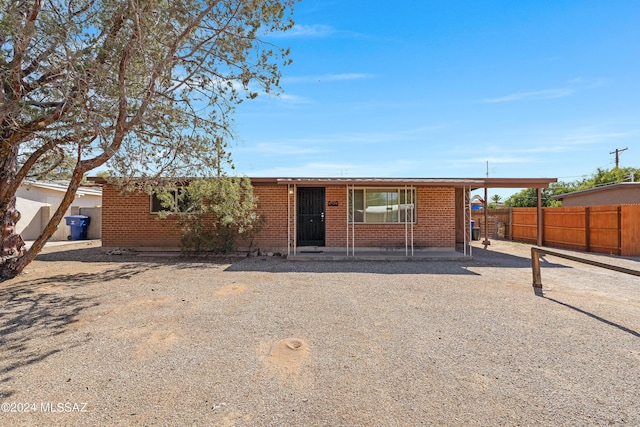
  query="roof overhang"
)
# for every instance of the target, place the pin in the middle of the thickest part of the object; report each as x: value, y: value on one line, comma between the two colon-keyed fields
x: 472, y: 183
x: 62, y: 188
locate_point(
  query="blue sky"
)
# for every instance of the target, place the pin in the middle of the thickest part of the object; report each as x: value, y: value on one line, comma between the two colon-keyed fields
x: 438, y: 88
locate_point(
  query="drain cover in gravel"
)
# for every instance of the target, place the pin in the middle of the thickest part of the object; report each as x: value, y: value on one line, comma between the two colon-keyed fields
x: 287, y: 355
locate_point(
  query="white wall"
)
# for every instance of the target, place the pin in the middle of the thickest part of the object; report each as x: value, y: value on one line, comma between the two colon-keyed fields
x: 36, y: 205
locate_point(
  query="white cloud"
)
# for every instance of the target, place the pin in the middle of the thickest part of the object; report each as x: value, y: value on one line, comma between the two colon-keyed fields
x: 283, y: 149
x: 580, y: 138
x: 539, y: 94
x: 290, y: 98
x: 395, y: 136
x: 338, y: 169
x: 498, y: 160
x: 327, y: 78
x: 301, y: 30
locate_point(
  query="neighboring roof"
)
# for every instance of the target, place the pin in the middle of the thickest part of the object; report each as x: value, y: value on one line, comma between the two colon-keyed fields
x: 62, y: 185
x: 473, y: 183
x: 610, y: 187
x: 477, y: 200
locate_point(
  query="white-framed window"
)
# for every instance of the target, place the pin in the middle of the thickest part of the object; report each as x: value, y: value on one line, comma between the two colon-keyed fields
x: 382, y: 205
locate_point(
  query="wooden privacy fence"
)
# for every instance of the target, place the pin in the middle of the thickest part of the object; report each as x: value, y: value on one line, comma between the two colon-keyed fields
x: 612, y: 229
x: 498, y: 222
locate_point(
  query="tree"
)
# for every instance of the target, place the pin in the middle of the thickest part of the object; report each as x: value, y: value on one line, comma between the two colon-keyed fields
x: 212, y: 213
x: 146, y: 85
x: 527, y: 197
x: 607, y: 177
x: 495, y: 199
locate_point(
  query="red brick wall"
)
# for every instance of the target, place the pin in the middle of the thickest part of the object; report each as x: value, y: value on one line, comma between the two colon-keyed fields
x: 434, y: 226
x: 272, y: 206
x: 127, y: 222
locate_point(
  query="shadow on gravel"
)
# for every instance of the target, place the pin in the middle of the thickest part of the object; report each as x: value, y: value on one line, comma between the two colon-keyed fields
x: 260, y: 264
x: 30, y: 315
x: 273, y: 265
x: 146, y: 259
x: 539, y: 292
x: 84, y: 255
x: 34, y: 313
x: 501, y: 259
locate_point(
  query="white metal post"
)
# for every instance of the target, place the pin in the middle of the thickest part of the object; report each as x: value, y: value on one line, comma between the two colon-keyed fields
x: 347, y: 209
x: 406, y: 225
x: 413, y: 212
x: 288, y: 219
x: 353, y: 223
x: 295, y: 219
x: 469, y: 224
x: 464, y: 220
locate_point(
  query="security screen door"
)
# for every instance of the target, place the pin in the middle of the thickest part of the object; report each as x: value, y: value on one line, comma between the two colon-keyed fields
x: 311, y: 225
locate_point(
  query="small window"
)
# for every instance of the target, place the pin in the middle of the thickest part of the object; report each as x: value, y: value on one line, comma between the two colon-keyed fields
x: 382, y: 206
x: 180, y: 202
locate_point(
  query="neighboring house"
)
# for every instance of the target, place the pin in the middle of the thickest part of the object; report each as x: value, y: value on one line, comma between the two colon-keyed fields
x: 37, y: 201
x: 324, y: 213
x: 477, y: 203
x: 626, y: 193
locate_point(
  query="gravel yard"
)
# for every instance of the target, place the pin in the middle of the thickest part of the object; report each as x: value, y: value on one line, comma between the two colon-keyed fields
x: 91, y: 339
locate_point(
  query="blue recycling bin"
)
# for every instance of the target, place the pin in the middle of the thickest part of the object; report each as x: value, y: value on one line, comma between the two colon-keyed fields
x: 79, y: 225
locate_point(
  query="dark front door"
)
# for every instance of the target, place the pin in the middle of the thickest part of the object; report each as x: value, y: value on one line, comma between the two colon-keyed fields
x: 311, y: 216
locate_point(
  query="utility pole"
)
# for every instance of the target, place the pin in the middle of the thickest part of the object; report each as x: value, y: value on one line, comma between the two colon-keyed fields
x: 617, y: 153
x: 486, y: 206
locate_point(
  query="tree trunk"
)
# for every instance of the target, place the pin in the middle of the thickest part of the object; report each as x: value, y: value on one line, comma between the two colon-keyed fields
x: 11, y: 244
x: 52, y: 225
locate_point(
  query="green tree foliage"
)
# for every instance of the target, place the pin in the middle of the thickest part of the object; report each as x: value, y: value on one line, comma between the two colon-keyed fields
x: 495, y: 201
x: 527, y: 197
x: 146, y: 87
x: 212, y: 214
x: 607, y: 177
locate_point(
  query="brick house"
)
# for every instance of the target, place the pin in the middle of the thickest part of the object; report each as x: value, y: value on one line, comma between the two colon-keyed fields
x: 339, y: 214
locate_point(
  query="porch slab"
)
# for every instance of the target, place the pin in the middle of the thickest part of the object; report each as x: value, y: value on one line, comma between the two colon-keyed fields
x: 377, y: 255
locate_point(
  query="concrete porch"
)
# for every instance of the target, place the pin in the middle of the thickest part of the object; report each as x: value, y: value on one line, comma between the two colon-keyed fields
x: 374, y: 254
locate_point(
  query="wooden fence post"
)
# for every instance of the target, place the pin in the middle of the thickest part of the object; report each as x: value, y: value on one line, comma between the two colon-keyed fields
x: 539, y: 216
x: 511, y: 224
x: 535, y: 268
x: 587, y: 229
x: 619, y: 230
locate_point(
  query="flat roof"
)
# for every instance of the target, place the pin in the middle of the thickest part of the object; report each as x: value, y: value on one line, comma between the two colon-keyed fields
x: 609, y: 187
x: 473, y: 183
x: 62, y: 185
x: 431, y: 182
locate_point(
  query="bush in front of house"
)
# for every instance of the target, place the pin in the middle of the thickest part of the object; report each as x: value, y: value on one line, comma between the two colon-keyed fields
x: 213, y: 214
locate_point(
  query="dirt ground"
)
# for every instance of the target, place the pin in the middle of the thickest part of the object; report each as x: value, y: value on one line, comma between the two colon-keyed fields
x: 92, y: 339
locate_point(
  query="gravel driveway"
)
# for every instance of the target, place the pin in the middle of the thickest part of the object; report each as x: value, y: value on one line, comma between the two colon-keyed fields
x: 91, y: 339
